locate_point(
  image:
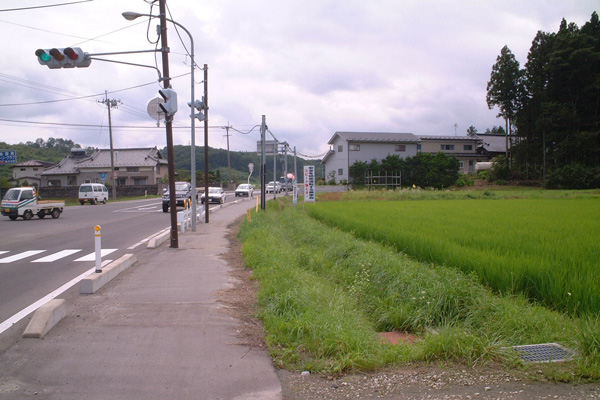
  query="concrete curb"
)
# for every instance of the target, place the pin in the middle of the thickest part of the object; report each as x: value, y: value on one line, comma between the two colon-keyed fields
x: 159, y: 239
x: 95, y: 281
x: 45, y: 318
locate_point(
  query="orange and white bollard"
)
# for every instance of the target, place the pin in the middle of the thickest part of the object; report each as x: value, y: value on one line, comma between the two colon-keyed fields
x: 98, y: 245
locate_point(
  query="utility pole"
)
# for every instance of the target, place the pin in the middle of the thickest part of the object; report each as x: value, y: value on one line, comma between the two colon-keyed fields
x: 111, y: 104
x: 169, y: 124
x: 228, y: 155
x: 206, y: 208
x: 263, y: 164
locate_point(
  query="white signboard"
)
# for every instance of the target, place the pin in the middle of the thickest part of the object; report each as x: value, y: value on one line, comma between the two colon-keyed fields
x: 309, y: 183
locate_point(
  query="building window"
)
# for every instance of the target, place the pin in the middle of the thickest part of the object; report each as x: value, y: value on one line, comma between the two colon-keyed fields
x: 36, y: 169
x: 139, y: 181
x: 340, y: 148
x: 22, y: 169
x: 447, y: 147
x: 468, y: 147
x: 341, y: 171
x: 354, y: 147
x: 461, y: 164
x: 133, y: 169
x: 54, y: 183
x: 400, y: 147
x: 419, y: 146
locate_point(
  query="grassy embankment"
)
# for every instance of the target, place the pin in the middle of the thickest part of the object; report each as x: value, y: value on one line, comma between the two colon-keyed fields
x: 325, y: 294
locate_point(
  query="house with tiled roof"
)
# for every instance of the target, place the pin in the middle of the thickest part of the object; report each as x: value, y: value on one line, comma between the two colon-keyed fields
x: 142, y: 166
x: 346, y: 148
x: 29, y: 172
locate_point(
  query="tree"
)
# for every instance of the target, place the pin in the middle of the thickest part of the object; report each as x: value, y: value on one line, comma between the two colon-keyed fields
x: 472, y: 131
x: 504, y: 87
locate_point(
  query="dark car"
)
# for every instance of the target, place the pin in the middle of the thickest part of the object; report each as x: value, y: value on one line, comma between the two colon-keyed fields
x: 183, y: 196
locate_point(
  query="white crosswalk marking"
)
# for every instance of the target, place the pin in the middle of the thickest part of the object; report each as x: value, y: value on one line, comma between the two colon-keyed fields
x: 92, y: 256
x: 57, y: 256
x: 20, y: 256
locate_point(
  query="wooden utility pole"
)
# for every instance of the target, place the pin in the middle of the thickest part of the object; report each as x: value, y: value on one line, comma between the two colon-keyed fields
x: 169, y: 124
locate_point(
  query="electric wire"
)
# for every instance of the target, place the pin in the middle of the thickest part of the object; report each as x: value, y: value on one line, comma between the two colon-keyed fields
x: 46, y: 6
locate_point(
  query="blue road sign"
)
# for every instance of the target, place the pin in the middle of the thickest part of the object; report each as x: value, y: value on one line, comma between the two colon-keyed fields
x: 8, y: 157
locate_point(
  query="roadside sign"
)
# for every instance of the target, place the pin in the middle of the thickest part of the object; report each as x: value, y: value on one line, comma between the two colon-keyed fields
x: 309, y: 183
x: 8, y: 157
x: 270, y: 147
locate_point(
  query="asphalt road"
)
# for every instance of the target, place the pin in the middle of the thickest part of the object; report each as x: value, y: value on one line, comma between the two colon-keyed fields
x: 39, y: 256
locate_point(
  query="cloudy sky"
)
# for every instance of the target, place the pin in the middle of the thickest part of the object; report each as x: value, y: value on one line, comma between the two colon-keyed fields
x: 312, y: 67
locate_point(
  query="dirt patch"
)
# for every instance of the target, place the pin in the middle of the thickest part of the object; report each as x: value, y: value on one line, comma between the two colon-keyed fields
x: 444, y: 381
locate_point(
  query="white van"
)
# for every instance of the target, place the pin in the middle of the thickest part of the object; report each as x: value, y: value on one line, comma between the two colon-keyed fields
x: 93, y: 193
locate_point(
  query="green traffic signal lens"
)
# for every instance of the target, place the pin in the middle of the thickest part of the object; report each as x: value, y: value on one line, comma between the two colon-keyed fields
x: 45, y: 57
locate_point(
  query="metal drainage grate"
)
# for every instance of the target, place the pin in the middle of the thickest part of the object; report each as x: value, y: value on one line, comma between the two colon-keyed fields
x: 548, y: 352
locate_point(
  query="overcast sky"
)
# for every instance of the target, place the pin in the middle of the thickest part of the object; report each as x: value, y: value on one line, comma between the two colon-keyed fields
x: 312, y: 67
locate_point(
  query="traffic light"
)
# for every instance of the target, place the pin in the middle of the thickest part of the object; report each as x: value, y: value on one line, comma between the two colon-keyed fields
x: 200, y: 106
x: 69, y: 57
x: 170, y: 105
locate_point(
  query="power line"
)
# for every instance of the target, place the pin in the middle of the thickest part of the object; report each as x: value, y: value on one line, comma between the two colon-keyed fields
x: 46, y: 6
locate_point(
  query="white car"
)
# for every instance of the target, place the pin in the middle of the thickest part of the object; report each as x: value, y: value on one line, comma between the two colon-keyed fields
x: 215, y: 195
x: 273, y: 185
x: 244, y: 190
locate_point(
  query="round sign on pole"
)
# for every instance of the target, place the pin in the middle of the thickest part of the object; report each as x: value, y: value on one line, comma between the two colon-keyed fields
x: 154, y: 111
x: 115, y: 174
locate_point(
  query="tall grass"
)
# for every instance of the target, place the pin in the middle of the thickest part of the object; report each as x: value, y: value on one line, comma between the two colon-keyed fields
x: 326, y: 293
x: 547, y: 250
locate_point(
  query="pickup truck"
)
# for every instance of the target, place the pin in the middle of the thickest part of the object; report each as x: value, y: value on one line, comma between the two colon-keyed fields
x: 23, y: 202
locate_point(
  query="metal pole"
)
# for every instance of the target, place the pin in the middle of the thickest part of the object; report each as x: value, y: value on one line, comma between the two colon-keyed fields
x: 275, y: 151
x: 112, y: 153
x: 285, y: 169
x: 206, y: 209
x: 228, y: 155
x: 193, y: 117
x: 169, y: 125
x: 263, y: 164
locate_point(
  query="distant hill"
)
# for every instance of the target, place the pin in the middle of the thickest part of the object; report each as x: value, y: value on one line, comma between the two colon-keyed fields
x: 54, y: 150
x: 239, y: 160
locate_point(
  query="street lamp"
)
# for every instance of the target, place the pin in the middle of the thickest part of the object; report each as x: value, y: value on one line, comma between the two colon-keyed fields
x: 130, y: 16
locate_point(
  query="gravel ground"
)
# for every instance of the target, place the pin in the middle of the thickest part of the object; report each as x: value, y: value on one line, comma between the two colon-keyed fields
x: 403, y: 383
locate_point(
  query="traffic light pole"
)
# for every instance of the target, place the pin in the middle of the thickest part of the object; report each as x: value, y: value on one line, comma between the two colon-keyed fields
x: 169, y: 126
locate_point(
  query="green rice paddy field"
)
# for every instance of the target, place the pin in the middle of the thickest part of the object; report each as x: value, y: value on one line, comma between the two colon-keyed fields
x: 546, y: 249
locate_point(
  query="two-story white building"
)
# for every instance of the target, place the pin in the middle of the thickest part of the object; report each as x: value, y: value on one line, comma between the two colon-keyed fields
x: 465, y: 148
x: 350, y: 147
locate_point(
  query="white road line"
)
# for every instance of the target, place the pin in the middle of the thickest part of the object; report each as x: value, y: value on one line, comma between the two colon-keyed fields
x: 2, y: 252
x: 57, y: 256
x: 26, y: 311
x: 20, y: 256
x: 92, y: 256
x: 134, y: 208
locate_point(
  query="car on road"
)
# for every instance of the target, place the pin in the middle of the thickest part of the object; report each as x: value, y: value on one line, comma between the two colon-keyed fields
x: 215, y: 195
x: 183, y: 196
x: 244, y: 190
x: 273, y: 186
x: 93, y: 193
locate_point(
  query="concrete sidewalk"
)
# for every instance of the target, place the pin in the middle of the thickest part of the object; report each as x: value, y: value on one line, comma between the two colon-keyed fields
x: 154, y: 332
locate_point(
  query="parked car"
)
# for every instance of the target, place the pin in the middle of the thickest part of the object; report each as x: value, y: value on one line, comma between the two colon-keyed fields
x: 215, y: 195
x: 244, y: 190
x: 93, y: 193
x: 271, y: 186
x: 183, y: 196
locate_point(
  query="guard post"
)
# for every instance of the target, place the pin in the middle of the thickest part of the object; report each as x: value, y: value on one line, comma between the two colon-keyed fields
x: 98, y: 245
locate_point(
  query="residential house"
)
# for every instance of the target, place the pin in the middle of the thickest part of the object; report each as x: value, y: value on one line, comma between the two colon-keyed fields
x: 142, y: 166
x: 492, y: 145
x: 350, y: 147
x: 462, y: 147
x: 29, y: 172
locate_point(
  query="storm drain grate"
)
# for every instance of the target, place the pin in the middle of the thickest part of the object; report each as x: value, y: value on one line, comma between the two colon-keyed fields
x: 548, y: 352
